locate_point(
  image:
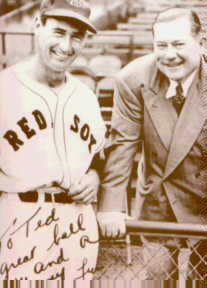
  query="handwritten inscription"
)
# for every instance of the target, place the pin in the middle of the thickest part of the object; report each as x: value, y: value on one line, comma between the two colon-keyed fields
x: 41, y: 267
x: 58, y: 275
x: 85, y: 270
x: 5, y: 268
x: 26, y: 224
x: 6, y: 231
x: 73, y: 229
x: 49, y: 220
x: 58, y: 266
x: 84, y: 240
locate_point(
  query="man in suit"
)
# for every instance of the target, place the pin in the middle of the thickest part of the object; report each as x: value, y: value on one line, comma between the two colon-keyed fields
x: 159, y: 102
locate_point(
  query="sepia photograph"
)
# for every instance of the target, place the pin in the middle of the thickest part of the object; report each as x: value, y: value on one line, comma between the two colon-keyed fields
x: 103, y: 144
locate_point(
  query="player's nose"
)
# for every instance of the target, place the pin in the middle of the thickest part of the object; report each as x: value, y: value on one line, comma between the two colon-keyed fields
x: 66, y: 45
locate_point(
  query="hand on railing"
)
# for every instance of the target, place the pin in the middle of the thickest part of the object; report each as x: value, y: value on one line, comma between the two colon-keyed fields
x: 112, y: 224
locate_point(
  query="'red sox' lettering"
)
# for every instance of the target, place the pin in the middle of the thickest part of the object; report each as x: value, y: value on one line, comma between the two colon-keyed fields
x: 84, y: 131
x: 12, y: 137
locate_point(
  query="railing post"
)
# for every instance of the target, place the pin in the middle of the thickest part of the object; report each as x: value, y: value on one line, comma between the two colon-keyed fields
x: 32, y: 43
x: 3, y: 37
x: 131, y: 47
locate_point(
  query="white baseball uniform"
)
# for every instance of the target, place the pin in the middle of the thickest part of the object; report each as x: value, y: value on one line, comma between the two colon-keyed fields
x: 46, y: 140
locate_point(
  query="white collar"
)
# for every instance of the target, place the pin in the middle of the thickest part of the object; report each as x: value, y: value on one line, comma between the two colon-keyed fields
x: 185, y: 85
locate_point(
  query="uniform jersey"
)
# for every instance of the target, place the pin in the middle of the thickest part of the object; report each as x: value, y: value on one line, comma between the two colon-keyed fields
x: 63, y: 131
x: 46, y: 139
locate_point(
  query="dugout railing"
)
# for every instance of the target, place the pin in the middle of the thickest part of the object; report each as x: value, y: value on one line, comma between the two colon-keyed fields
x: 123, y: 259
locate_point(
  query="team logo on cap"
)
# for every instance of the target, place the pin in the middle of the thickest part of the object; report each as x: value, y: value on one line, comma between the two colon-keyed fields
x: 76, y: 3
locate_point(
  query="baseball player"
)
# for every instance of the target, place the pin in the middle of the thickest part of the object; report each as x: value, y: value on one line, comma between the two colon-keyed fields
x: 50, y: 130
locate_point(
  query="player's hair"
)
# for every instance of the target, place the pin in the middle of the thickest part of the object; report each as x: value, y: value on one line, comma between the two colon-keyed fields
x: 172, y: 14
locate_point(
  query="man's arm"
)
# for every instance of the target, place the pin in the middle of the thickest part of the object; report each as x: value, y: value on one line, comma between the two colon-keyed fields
x: 126, y: 133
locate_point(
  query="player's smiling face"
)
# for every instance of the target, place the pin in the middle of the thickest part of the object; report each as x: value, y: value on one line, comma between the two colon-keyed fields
x: 177, y: 50
x: 59, y: 43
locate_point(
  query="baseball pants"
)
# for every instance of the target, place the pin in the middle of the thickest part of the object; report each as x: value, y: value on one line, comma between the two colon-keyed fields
x: 47, y: 241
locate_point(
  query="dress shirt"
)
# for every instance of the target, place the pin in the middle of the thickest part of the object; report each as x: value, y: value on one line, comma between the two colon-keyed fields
x: 185, y: 85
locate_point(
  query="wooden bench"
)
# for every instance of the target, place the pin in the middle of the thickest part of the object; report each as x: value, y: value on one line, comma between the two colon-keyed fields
x: 125, y: 41
x: 127, y: 45
x: 132, y: 27
x: 146, y: 15
x: 108, y: 40
x: 92, y: 51
x: 138, y: 21
x: 124, y: 33
x: 187, y: 4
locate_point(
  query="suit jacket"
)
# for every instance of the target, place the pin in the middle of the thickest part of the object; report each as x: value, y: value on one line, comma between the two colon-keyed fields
x: 174, y: 149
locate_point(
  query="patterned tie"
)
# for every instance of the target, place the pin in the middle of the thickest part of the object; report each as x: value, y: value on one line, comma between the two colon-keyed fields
x: 179, y: 99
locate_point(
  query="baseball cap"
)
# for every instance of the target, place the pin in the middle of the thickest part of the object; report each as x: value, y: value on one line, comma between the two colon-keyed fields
x: 73, y: 9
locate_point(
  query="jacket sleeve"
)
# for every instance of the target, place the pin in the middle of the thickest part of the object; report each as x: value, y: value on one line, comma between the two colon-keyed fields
x: 126, y: 134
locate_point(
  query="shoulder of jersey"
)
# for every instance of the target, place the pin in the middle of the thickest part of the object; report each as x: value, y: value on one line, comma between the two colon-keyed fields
x: 12, y: 70
x: 7, y: 76
x: 82, y: 87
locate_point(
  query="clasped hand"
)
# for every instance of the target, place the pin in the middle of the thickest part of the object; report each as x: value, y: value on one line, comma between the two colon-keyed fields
x: 86, y: 189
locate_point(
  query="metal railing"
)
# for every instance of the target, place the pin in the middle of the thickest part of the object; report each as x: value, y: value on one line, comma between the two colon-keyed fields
x: 4, y: 34
x: 132, y: 259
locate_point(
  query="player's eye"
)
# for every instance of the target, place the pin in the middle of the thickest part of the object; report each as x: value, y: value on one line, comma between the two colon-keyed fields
x: 77, y: 36
x: 59, y: 32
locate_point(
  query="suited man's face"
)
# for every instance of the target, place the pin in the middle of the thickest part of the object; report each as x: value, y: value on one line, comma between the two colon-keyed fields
x: 177, y: 50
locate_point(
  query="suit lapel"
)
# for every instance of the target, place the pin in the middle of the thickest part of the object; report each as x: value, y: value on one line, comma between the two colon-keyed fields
x: 187, y: 129
x: 160, y: 109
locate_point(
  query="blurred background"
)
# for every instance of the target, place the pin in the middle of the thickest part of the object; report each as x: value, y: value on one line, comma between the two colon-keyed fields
x: 124, y: 28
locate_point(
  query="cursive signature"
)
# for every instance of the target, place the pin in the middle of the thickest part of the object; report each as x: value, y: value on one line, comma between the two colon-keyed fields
x: 49, y: 220
x: 5, y: 268
x: 42, y: 267
x: 58, y: 275
x: 86, y: 240
x: 84, y: 270
x: 73, y: 229
x: 26, y: 224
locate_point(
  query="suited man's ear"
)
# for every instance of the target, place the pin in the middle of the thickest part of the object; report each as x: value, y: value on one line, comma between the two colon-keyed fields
x: 36, y: 23
x: 203, y: 44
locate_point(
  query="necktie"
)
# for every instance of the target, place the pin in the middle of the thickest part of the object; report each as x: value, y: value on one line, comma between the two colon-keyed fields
x: 179, y: 99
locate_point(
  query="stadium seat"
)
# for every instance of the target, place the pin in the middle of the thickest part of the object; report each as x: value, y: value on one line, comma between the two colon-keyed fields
x: 138, y: 21
x: 89, y: 53
x: 105, y: 65
x: 135, y: 27
x: 107, y: 40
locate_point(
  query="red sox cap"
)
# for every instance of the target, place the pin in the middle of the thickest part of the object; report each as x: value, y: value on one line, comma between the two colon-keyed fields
x: 73, y: 9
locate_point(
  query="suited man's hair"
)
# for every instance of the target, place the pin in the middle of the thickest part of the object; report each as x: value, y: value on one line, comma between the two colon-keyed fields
x: 172, y: 14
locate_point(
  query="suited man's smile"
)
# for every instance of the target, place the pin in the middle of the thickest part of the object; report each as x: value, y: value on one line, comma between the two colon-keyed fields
x: 178, y: 52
